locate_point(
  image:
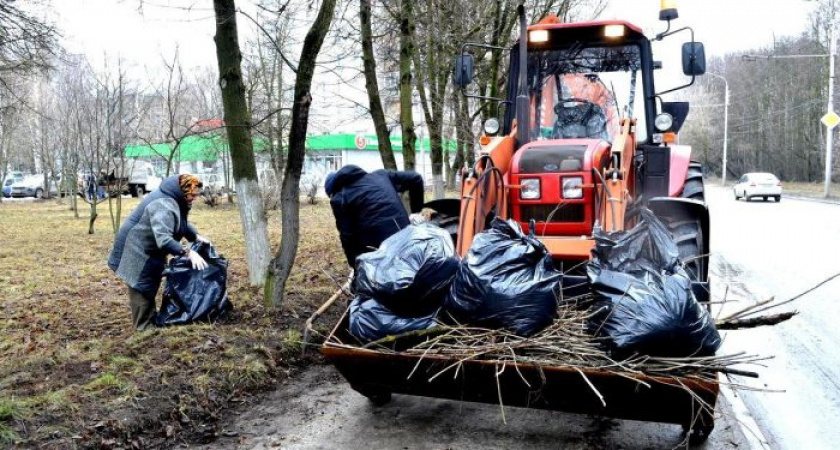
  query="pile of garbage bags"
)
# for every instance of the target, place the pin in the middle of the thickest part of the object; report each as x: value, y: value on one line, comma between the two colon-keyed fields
x: 401, y: 286
x: 506, y: 281
x: 642, y: 301
x: 195, y: 295
x: 643, y: 298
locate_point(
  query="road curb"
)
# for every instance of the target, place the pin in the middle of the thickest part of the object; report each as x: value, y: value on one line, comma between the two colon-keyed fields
x: 830, y: 201
x: 752, y: 433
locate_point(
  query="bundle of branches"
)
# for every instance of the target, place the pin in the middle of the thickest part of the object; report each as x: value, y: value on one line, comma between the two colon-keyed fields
x: 564, y: 343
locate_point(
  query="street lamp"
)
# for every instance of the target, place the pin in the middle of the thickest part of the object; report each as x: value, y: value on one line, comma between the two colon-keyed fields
x: 829, y: 132
x: 725, y: 122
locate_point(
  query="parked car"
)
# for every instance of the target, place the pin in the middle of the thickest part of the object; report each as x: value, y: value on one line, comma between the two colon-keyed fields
x: 7, y: 187
x: 9, y: 181
x: 758, y: 185
x: 32, y: 186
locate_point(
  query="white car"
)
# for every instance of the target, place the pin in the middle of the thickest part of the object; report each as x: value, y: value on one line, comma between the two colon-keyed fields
x: 32, y: 186
x: 755, y: 185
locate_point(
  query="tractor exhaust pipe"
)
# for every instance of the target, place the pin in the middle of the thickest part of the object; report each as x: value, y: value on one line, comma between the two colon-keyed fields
x: 522, y: 102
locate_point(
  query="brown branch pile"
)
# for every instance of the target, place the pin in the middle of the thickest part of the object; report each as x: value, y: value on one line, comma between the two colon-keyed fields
x: 564, y: 343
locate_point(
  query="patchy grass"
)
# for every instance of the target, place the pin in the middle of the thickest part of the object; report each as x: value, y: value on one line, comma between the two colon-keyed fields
x: 73, y: 373
x: 813, y: 189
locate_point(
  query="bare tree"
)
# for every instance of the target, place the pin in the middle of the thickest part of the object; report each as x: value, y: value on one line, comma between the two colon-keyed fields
x: 372, y: 87
x: 281, y: 265
x: 238, y: 126
x: 27, y: 44
x: 409, y: 137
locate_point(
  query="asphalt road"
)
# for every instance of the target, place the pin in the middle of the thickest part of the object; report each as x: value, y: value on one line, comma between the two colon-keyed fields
x: 768, y: 249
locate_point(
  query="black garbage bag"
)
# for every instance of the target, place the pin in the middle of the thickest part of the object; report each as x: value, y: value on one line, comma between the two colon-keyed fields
x: 507, y: 280
x: 643, y: 298
x: 411, y: 272
x: 194, y: 295
x: 371, y: 321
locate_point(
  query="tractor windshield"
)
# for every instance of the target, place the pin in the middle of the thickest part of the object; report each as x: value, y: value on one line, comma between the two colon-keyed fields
x: 583, y: 92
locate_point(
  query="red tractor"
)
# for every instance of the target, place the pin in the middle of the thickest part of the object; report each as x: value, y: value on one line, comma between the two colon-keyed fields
x: 585, y: 138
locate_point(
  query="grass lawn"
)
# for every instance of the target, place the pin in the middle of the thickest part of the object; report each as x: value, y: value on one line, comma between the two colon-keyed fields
x: 813, y: 189
x: 73, y: 373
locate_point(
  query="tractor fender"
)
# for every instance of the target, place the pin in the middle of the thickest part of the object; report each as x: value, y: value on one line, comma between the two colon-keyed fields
x: 680, y: 159
x: 683, y: 207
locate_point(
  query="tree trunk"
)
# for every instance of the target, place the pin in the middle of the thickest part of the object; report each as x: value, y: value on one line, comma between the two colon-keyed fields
x: 281, y: 265
x: 237, y: 123
x: 278, y: 127
x: 409, y: 137
x: 462, y: 144
x: 372, y: 86
x: 93, y: 215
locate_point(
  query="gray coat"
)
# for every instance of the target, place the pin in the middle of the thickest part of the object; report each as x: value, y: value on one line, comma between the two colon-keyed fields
x: 152, y: 231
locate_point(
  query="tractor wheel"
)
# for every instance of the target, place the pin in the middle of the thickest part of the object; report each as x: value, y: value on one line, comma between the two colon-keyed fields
x: 693, y: 187
x: 376, y: 396
x: 688, y: 235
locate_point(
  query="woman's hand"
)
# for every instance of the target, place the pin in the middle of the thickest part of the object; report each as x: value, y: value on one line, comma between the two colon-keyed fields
x: 197, y: 261
x: 200, y: 238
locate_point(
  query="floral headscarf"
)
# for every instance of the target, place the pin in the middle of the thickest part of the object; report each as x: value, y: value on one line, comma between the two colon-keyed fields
x: 189, y: 183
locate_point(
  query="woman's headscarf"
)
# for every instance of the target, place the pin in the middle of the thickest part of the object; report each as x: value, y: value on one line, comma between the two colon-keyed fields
x: 189, y: 183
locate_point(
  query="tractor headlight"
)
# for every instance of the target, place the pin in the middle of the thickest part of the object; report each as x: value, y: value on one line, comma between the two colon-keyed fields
x: 491, y: 126
x: 663, y: 122
x: 573, y: 187
x: 530, y: 189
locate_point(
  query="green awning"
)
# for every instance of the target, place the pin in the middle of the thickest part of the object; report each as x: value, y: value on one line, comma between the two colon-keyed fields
x: 209, y: 147
x: 192, y: 148
x: 367, y: 142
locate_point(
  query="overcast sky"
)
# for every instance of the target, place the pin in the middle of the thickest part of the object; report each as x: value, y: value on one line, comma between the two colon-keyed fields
x: 115, y: 27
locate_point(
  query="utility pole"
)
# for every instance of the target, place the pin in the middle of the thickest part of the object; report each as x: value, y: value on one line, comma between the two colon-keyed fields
x: 725, y: 122
x: 829, y: 131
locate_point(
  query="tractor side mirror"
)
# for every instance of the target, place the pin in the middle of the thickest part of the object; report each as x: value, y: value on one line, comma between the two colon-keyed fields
x: 693, y: 58
x: 463, y: 74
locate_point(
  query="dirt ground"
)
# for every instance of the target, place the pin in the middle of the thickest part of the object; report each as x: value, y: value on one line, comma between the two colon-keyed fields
x: 73, y: 374
x: 317, y: 409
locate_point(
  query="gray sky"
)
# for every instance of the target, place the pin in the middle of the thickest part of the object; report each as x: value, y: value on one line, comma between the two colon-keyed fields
x: 97, y: 27
x: 116, y: 28
x: 724, y: 26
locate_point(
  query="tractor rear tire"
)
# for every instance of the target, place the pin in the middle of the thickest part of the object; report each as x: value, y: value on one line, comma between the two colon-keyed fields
x: 689, y: 238
x: 688, y: 231
x: 693, y: 187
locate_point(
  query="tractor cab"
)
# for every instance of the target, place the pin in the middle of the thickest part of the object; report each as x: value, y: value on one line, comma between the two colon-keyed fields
x: 582, y: 80
x: 584, y: 139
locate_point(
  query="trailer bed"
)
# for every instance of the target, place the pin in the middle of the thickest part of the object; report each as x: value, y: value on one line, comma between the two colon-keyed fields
x: 377, y: 374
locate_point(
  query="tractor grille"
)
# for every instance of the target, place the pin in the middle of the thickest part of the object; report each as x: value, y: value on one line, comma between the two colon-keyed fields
x: 552, y: 159
x: 540, y: 213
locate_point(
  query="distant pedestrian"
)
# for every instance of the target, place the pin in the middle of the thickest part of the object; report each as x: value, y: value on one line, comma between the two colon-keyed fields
x: 153, y: 231
x: 101, y: 181
x: 90, y: 186
x: 368, y: 208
